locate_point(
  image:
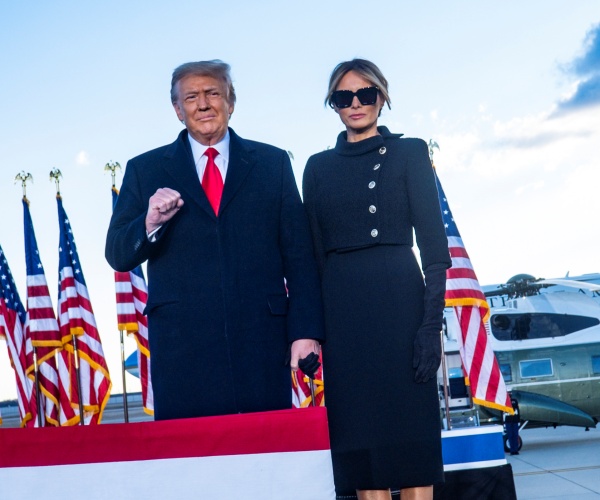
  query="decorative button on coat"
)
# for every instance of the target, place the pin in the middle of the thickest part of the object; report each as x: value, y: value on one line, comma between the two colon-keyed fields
x: 382, y: 150
x: 372, y: 209
x: 374, y: 233
x: 377, y: 166
x: 371, y: 184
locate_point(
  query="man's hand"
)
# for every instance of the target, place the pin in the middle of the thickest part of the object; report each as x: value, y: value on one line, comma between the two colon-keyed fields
x: 302, y: 348
x: 162, y: 207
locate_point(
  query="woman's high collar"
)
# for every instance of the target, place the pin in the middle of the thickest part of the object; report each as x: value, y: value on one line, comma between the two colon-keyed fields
x: 345, y: 148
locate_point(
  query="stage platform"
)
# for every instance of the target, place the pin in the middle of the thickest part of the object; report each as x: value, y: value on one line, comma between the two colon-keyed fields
x: 553, y: 463
x: 277, y: 455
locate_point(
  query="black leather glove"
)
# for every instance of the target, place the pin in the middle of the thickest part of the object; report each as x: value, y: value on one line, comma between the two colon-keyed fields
x: 427, y: 354
x: 309, y: 365
x: 428, y: 343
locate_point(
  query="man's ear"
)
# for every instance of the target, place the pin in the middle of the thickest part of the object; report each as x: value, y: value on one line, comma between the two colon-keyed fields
x: 178, y: 111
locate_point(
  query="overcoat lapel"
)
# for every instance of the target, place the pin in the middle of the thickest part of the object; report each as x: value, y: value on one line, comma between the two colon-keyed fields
x: 179, y: 164
x: 241, y: 161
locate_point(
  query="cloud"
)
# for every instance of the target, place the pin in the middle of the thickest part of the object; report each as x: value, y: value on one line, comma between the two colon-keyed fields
x: 82, y: 158
x: 586, y: 68
x: 540, y: 138
x: 523, y: 192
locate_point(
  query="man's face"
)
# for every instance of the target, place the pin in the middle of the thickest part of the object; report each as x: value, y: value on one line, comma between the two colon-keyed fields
x: 203, y: 107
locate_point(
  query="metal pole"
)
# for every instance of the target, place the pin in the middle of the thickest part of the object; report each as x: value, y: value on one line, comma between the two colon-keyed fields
x: 312, y: 391
x: 445, y: 382
x: 78, y: 374
x: 432, y: 144
x: 125, y: 409
x: 37, y: 388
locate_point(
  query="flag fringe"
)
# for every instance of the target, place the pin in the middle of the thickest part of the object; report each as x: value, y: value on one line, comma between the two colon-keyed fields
x: 496, y: 406
x: 49, y: 355
x: 471, y: 301
x: 26, y: 419
x: 46, y: 343
x: 94, y: 364
x: 144, y: 350
x: 129, y: 327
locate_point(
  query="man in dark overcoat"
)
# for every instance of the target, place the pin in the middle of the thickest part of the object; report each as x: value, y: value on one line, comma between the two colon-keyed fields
x: 233, y: 287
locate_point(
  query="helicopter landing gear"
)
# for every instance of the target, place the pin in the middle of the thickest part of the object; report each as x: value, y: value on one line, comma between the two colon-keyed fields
x: 506, y: 447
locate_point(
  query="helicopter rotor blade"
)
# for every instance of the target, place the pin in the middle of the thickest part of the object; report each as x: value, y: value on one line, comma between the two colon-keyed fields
x: 592, y: 287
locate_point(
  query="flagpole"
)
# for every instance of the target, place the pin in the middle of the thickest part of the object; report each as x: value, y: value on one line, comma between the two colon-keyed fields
x: 112, y: 168
x: 78, y: 377
x: 24, y: 177
x: 431, y: 145
x: 125, y: 408
x: 445, y: 382
x: 37, y: 388
x: 55, y: 175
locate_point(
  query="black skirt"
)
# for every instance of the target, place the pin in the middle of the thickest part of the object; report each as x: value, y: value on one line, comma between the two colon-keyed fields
x: 384, y: 427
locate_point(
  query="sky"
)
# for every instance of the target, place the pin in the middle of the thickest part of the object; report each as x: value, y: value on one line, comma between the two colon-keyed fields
x: 510, y: 91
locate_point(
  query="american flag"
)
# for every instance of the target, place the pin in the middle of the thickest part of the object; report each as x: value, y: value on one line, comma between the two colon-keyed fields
x: 12, y: 329
x: 76, y: 320
x: 464, y: 293
x: 132, y: 297
x: 41, y: 327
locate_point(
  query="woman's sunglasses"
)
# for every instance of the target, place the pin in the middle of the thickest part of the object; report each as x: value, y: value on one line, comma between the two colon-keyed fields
x: 344, y: 98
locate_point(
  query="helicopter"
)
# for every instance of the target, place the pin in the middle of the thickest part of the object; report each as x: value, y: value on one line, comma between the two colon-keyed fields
x: 545, y: 335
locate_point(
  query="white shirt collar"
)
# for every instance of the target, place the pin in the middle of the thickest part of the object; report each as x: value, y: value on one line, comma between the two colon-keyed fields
x: 222, y: 147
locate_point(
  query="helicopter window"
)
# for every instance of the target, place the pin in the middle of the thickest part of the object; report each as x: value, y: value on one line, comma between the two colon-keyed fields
x: 506, y: 372
x: 536, y: 368
x: 501, y: 321
x: 538, y: 325
x: 596, y: 365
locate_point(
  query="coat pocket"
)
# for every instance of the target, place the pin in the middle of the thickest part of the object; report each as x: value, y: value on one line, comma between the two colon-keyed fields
x: 278, y: 304
x: 151, y: 306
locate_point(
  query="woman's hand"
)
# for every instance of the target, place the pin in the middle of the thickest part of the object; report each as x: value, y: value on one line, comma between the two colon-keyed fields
x: 427, y: 354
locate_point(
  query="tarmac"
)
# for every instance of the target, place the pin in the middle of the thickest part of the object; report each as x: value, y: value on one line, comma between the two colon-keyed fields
x: 561, y: 463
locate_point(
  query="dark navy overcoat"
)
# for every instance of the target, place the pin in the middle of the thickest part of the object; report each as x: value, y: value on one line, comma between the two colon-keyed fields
x: 219, y: 316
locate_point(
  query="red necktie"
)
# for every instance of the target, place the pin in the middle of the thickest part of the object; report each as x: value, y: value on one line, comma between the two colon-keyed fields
x: 212, y: 182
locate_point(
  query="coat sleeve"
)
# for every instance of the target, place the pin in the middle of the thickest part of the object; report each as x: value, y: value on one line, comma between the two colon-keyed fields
x: 424, y: 205
x: 310, y: 196
x: 127, y: 245
x: 305, y: 312
x: 426, y: 218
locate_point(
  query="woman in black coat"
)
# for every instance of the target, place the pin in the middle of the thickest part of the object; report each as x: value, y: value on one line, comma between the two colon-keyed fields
x: 364, y: 198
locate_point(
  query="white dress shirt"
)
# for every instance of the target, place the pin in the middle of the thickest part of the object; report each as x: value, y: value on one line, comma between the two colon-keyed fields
x: 221, y: 160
